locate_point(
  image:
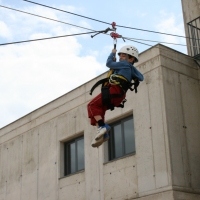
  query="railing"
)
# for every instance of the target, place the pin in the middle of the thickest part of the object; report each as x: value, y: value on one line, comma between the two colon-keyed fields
x: 194, y: 40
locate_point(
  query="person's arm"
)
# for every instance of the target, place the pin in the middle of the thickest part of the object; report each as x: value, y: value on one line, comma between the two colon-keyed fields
x: 137, y: 74
x: 112, y: 64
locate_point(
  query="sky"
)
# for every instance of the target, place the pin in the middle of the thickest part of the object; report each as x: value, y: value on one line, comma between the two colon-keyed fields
x: 33, y: 74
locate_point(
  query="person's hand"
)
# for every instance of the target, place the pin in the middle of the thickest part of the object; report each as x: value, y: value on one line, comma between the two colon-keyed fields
x: 114, y: 51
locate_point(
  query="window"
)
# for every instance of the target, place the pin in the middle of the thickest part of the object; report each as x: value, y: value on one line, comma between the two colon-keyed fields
x: 122, y: 140
x: 74, y: 156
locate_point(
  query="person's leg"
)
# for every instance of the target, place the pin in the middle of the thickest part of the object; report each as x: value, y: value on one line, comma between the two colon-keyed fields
x: 105, y: 128
x: 116, y: 90
x: 96, y: 110
x: 99, y: 120
x: 96, y: 113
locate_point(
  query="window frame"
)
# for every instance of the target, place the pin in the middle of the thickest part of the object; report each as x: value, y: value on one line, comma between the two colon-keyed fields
x: 111, y: 145
x: 67, y: 156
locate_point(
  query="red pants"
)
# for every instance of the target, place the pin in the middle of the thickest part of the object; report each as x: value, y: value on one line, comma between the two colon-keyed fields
x: 95, y: 107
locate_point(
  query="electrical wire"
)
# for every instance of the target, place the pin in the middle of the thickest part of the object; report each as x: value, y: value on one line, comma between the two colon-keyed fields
x: 107, y: 22
x: 47, y: 38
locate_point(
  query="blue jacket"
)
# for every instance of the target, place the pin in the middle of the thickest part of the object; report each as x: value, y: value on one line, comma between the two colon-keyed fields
x: 124, y: 68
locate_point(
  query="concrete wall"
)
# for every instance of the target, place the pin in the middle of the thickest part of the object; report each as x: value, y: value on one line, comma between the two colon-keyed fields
x: 182, y: 97
x: 166, y: 117
x: 191, y: 10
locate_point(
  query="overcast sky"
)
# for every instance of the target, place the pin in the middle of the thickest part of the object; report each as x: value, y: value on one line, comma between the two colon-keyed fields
x: 35, y: 73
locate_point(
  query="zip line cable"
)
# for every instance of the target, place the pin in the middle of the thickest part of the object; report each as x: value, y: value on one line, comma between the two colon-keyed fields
x: 117, y: 25
x: 155, y: 41
x: 24, y: 41
x: 93, y: 31
x: 66, y: 11
x: 138, y: 29
x: 138, y: 42
x: 190, y: 57
x: 47, y: 38
x: 44, y: 17
x: 132, y: 39
x: 107, y: 22
x: 81, y: 26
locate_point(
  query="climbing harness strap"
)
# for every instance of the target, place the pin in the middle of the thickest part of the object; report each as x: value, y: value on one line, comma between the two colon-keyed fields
x: 102, y: 81
x: 119, y: 80
x: 136, y: 84
x: 105, y: 93
x: 114, y: 80
x: 125, y: 85
x: 106, y: 98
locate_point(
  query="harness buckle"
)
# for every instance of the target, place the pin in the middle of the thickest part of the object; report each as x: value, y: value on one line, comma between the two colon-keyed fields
x: 113, y: 80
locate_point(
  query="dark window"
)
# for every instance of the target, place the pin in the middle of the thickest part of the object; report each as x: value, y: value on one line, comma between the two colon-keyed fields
x: 122, y: 139
x: 74, y: 156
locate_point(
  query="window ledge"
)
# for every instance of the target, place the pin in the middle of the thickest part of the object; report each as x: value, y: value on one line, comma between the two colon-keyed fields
x: 128, y: 155
x: 75, y: 173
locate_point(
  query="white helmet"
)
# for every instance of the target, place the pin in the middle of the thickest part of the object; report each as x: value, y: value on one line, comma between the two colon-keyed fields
x: 130, y: 50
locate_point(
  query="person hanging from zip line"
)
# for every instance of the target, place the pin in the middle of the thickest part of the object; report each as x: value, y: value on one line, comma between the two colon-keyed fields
x: 114, y: 89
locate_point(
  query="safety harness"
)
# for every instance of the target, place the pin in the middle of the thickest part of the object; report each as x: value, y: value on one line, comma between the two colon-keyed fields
x: 114, y: 79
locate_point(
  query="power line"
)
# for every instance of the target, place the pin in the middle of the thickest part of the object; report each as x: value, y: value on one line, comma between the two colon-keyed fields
x: 47, y: 38
x: 107, y: 22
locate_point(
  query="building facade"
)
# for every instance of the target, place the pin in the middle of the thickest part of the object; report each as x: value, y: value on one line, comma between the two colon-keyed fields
x: 154, y: 148
x: 191, y: 15
x: 47, y: 154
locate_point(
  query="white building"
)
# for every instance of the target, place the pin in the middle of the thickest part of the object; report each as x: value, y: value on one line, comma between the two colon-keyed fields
x: 153, y: 152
